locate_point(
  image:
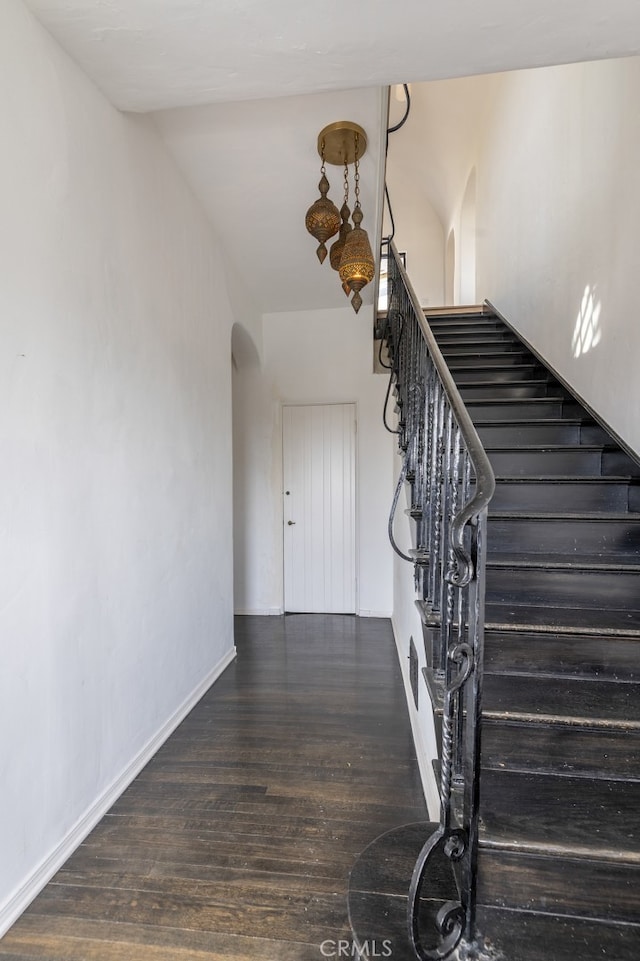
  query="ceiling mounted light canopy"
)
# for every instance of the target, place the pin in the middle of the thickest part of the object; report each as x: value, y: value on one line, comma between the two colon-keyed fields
x: 341, y: 144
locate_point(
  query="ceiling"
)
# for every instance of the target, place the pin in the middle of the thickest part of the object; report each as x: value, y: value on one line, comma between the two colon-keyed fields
x: 242, y: 87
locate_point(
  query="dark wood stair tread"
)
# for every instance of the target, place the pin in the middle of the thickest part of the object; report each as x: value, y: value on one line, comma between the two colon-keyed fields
x: 606, y: 560
x: 541, y: 448
x: 526, y: 617
x: 589, y: 517
x: 552, y: 561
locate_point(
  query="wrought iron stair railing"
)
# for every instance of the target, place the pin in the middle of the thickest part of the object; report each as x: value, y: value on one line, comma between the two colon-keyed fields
x: 451, y: 484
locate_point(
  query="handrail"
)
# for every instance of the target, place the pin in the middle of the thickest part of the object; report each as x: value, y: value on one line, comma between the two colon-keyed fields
x: 485, y: 479
x: 452, y: 483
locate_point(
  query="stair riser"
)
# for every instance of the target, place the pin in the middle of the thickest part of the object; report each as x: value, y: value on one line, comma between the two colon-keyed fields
x: 587, y: 590
x: 494, y: 375
x: 510, y: 391
x: 505, y: 435
x: 545, y: 809
x: 557, y: 885
x: 488, y: 340
x: 535, y: 409
x: 565, y: 535
x: 466, y: 326
x: 541, y: 809
x: 562, y: 654
x: 559, y: 749
x: 482, y: 349
x: 527, y: 936
x: 616, y: 462
x: 560, y: 497
x: 536, y: 463
x: 511, y: 435
x: 549, y: 699
x: 489, y: 358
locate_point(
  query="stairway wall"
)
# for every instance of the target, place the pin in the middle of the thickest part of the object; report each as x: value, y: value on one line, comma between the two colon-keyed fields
x: 558, y: 203
x: 407, y: 624
x: 115, y: 581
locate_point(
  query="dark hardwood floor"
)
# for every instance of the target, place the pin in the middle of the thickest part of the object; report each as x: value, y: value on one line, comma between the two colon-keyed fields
x: 237, y: 839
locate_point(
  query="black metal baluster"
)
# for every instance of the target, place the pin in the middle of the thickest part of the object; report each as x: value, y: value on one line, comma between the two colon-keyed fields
x: 452, y: 484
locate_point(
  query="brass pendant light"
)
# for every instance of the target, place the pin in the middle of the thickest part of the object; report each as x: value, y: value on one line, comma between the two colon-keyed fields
x: 343, y: 143
x: 357, y: 266
x: 323, y: 218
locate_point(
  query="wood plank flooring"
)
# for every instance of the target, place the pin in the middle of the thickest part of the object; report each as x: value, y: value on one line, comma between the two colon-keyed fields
x: 237, y: 839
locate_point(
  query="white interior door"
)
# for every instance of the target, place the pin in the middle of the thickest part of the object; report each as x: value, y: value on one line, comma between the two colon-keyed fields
x: 319, y: 508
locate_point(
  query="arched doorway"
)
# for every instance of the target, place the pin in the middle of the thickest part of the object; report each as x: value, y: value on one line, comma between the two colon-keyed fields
x: 467, y: 253
x: 245, y: 377
x: 450, y: 269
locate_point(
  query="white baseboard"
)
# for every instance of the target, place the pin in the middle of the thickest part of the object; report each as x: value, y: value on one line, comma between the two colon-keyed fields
x: 385, y: 614
x: 20, y: 900
x: 423, y: 756
x: 260, y: 612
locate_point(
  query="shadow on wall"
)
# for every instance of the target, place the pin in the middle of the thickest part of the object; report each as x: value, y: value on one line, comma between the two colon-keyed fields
x: 244, y: 352
x: 587, y: 333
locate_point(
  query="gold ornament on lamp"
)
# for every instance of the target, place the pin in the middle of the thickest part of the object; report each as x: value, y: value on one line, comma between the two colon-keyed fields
x: 323, y: 218
x: 343, y: 143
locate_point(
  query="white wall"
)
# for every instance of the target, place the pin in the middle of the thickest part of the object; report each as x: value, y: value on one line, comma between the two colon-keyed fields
x: 558, y: 207
x: 407, y: 625
x: 311, y: 357
x: 419, y: 234
x: 429, y: 166
x: 115, y: 583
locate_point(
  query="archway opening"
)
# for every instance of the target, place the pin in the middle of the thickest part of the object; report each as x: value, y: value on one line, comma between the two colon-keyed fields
x: 467, y: 265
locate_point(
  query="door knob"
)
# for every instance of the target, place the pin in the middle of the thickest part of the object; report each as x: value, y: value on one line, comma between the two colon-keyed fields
x: 290, y: 523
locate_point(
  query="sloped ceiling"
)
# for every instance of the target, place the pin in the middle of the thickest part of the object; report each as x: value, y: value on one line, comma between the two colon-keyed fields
x: 156, y: 54
x: 242, y: 87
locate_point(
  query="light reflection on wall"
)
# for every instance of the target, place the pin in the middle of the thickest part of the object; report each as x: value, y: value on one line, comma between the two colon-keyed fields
x: 587, y: 333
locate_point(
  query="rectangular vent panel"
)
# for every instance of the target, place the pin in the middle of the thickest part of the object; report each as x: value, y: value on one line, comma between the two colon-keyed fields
x: 413, y: 670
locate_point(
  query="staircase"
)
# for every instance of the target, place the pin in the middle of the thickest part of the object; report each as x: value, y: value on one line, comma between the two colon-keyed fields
x: 554, y: 845
x: 559, y: 845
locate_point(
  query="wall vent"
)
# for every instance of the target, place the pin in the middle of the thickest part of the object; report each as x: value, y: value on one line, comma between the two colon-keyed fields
x: 413, y: 671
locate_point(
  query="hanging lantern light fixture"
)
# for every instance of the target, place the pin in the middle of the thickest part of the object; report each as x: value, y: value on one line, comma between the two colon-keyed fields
x: 357, y: 265
x: 343, y: 143
x: 323, y: 218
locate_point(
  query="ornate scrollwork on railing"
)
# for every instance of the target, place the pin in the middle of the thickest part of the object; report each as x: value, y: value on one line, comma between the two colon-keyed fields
x: 451, y: 486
